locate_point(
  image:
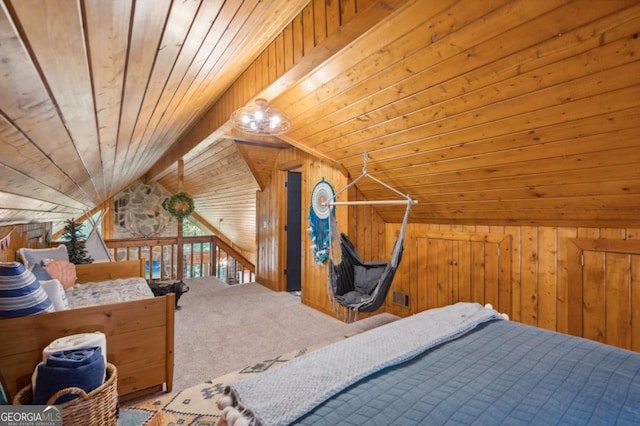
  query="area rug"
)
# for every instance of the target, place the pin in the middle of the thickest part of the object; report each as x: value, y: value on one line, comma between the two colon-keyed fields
x: 196, y: 405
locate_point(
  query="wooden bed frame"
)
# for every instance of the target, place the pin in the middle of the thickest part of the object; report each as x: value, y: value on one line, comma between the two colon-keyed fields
x: 140, y: 335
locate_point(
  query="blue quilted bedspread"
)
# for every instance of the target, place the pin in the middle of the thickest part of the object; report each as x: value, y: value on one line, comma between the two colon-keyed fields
x: 501, y: 373
x: 280, y: 396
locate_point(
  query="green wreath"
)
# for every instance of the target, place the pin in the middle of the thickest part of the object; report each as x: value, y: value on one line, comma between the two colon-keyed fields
x: 179, y: 205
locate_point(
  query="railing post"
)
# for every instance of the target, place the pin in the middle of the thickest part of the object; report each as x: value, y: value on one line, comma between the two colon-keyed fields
x: 180, y: 246
x: 236, y: 263
x: 180, y: 265
x: 214, y: 256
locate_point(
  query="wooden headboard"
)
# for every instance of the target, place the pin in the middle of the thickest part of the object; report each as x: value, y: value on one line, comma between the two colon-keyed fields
x: 92, y: 272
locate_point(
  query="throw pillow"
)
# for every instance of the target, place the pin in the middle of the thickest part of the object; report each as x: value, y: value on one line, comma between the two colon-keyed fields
x: 62, y: 270
x: 20, y: 292
x: 31, y: 257
x: 56, y: 293
x: 40, y: 273
x: 365, y: 279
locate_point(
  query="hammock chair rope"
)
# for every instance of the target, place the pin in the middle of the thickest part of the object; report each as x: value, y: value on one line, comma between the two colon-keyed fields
x: 365, y: 173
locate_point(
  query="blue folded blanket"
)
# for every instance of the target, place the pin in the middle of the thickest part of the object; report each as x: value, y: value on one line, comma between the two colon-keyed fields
x: 81, y: 368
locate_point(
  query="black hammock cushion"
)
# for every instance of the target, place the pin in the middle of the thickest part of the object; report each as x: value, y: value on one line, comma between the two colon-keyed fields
x: 354, y: 282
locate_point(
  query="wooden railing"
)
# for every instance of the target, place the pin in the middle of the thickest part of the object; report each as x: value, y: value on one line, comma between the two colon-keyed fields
x: 202, y: 256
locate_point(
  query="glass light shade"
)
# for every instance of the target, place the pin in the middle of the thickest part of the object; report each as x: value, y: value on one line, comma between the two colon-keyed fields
x: 260, y: 119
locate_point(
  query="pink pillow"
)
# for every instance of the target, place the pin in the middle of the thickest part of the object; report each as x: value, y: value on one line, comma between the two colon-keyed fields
x: 63, y: 271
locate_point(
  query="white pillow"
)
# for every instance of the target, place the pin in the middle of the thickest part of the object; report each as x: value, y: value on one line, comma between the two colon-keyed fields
x: 56, y: 293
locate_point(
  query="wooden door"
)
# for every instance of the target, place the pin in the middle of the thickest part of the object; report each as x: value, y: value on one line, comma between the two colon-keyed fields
x: 463, y: 267
x: 604, y: 286
x: 610, y: 284
x: 294, y: 230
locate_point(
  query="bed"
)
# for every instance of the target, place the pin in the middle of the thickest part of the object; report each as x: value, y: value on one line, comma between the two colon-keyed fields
x: 462, y: 364
x: 140, y: 334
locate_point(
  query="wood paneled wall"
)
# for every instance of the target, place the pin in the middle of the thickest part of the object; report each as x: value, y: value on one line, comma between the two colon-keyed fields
x: 271, y: 218
x: 269, y: 234
x: 367, y: 230
x: 31, y: 235
x: 550, y: 284
x: 363, y: 225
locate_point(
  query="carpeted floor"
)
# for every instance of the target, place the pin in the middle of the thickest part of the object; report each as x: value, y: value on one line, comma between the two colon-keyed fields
x: 222, y: 329
x: 196, y: 405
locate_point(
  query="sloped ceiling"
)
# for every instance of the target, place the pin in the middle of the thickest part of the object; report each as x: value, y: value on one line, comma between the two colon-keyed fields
x: 225, y: 190
x: 95, y: 92
x: 486, y: 112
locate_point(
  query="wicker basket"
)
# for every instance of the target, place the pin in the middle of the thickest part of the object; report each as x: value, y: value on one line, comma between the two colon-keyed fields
x: 98, y: 407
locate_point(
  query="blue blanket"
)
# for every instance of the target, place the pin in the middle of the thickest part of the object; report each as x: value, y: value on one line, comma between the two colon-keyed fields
x: 81, y: 368
x: 501, y: 373
x: 282, y: 395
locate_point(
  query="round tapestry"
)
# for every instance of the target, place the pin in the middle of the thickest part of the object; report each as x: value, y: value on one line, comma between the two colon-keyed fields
x: 319, y: 216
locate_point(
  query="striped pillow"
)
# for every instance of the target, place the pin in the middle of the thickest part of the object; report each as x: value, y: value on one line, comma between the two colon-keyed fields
x: 20, y: 292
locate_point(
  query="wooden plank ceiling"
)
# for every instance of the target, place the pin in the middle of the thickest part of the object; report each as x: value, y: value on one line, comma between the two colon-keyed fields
x: 487, y: 112
x: 491, y: 112
x: 94, y: 92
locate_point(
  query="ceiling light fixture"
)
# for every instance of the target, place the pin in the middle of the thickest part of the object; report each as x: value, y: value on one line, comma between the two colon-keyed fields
x: 260, y: 119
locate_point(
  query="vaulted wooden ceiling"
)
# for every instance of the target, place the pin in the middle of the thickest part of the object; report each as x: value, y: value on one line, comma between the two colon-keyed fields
x: 486, y: 112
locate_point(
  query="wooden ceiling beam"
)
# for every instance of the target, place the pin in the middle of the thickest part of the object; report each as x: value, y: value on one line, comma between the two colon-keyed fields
x: 254, y: 171
x: 215, y: 122
x: 262, y: 140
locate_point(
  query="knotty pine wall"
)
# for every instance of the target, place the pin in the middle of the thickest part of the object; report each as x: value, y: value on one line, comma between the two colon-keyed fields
x: 32, y: 235
x: 367, y: 230
x: 546, y: 283
x: 269, y: 234
x: 271, y: 219
x: 530, y: 272
x: 363, y: 225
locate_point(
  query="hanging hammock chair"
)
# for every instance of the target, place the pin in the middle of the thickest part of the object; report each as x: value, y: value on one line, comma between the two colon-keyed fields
x: 352, y: 283
x: 360, y: 286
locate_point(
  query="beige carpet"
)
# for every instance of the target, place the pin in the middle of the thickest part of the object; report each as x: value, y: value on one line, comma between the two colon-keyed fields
x: 221, y: 329
x: 196, y: 405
